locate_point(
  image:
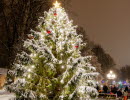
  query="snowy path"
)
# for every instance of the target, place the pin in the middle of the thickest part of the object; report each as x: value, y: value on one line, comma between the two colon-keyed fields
x: 6, y: 95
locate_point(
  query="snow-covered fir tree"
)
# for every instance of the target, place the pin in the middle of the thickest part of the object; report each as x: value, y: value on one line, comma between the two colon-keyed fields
x: 51, y: 67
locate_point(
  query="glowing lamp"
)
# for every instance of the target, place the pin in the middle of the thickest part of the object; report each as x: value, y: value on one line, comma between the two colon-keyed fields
x: 111, y: 75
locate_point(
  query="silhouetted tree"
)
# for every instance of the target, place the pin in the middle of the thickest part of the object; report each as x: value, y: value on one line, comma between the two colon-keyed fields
x: 125, y: 72
x: 104, y: 59
x: 17, y: 18
x: 88, y: 49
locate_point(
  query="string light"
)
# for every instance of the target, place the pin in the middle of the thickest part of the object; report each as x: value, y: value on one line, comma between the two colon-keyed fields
x: 51, y: 47
x: 29, y: 76
x: 33, y: 66
x: 32, y: 55
x: 62, y: 81
x: 62, y: 67
x: 42, y: 36
x: 29, y: 70
x: 60, y: 61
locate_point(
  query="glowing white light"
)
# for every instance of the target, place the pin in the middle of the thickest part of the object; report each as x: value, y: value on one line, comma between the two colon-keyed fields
x: 32, y: 66
x: 61, y: 31
x: 111, y: 75
x: 29, y: 70
x: 114, y: 81
x: 60, y: 61
x: 63, y: 42
x: 61, y: 54
x: 42, y: 35
x: 56, y: 4
x: 62, y: 67
x: 29, y: 76
x: 62, y: 81
x: 111, y: 72
x: 61, y: 96
x: 32, y: 55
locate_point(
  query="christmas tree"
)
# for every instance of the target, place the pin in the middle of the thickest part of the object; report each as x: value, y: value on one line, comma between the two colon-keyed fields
x: 51, y: 66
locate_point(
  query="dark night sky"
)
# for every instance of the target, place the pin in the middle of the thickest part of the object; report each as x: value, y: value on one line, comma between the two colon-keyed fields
x: 107, y: 22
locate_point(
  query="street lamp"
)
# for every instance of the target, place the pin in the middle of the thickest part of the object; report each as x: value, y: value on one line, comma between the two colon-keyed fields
x: 111, y: 75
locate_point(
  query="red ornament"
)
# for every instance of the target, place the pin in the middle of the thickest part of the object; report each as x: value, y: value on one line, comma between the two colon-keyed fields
x: 55, y: 14
x: 49, y: 32
x: 76, y: 46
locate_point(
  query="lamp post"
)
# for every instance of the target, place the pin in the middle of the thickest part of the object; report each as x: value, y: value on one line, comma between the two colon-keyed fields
x: 111, y: 76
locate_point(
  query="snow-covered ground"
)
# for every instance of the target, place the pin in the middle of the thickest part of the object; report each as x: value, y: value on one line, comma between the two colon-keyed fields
x: 4, y: 95
x: 7, y: 97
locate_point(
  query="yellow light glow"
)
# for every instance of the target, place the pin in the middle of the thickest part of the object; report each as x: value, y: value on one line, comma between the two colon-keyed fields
x: 56, y: 4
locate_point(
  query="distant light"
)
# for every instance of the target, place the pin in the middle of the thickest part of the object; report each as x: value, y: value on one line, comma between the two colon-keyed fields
x: 120, y: 82
x: 114, y: 81
x: 124, y: 82
x: 103, y: 81
x: 111, y: 75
